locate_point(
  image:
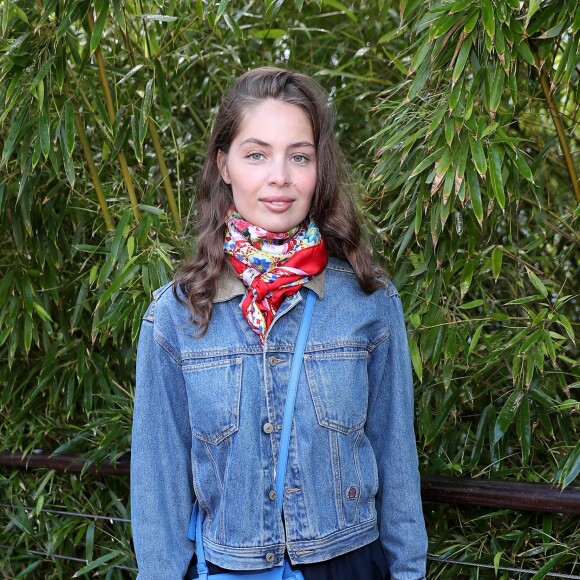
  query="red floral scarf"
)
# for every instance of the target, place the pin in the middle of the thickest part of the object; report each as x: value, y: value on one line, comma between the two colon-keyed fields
x: 272, y: 265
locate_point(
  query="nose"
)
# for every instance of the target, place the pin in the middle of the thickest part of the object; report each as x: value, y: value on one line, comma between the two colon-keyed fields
x: 279, y: 174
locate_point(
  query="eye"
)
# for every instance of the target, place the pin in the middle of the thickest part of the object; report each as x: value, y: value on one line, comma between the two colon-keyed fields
x: 299, y: 158
x: 255, y: 156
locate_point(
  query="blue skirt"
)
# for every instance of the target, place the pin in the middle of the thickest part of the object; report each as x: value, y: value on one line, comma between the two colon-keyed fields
x: 366, y: 563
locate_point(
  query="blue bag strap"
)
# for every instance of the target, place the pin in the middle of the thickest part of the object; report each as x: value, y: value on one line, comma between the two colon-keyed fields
x: 291, y: 396
x: 299, y: 348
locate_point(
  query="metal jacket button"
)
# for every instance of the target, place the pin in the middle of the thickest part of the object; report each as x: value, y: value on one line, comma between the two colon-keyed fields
x: 270, y: 557
x: 273, y: 495
x: 268, y: 428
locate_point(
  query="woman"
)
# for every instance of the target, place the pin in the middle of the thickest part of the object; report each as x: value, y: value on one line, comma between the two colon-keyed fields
x: 274, y: 219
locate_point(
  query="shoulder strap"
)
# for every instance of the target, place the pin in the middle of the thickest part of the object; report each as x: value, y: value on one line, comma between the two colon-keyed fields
x: 195, y: 520
x: 291, y: 396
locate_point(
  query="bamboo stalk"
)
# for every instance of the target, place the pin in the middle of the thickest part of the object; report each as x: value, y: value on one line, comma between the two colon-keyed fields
x: 93, y: 172
x: 165, y: 176
x: 544, y: 82
x: 111, y: 110
x: 158, y: 152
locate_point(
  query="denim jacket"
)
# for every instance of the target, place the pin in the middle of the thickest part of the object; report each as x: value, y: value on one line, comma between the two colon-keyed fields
x: 207, y: 422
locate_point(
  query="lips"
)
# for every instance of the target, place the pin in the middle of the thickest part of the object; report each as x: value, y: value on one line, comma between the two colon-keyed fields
x: 277, y: 204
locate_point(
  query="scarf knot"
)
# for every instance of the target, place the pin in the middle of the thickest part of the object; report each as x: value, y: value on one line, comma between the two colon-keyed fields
x: 272, y: 265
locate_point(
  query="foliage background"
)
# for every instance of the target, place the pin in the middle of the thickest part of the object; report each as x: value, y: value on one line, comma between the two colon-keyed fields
x: 472, y: 201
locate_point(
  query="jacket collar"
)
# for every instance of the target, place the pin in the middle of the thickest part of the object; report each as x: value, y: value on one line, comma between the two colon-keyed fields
x: 229, y: 285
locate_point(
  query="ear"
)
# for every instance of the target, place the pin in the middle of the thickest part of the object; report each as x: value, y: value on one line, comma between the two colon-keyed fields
x: 223, y: 166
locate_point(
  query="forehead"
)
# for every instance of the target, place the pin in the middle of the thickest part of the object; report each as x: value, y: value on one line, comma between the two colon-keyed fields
x: 275, y: 119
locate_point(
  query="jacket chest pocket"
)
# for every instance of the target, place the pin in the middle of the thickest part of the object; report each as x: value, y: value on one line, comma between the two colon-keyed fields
x: 339, y: 388
x: 213, y: 391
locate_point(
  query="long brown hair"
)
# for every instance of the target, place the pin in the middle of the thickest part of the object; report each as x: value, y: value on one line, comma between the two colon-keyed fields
x: 333, y: 208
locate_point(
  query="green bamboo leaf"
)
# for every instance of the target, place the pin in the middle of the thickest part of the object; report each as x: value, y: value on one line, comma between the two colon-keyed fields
x: 26, y: 573
x: 442, y: 414
x: 524, y: 300
x: 462, y: 58
x: 67, y: 161
x: 495, y: 177
x: 428, y: 161
x: 532, y: 9
x: 146, y: 110
x: 27, y: 333
x: 457, y: 6
x: 97, y: 563
x: 420, y: 79
x: 571, y: 468
x: 99, y: 27
x: 44, y: 132
x: 420, y: 55
x: 416, y: 358
x: 538, y: 285
x: 478, y: 156
x: 480, y: 434
x: 340, y: 7
x: 221, y: 9
x: 443, y: 163
x: 41, y: 312
x: 5, y: 17
x: 549, y: 344
x: 69, y: 127
x: 524, y: 51
x: 475, y: 338
x: 456, y: 93
x: 13, y: 134
x: 123, y: 278
x: 269, y: 33
x: 472, y: 20
x: 524, y: 429
x: 496, y: 90
x: 466, y: 276
x: 496, y: 260
x: 437, y: 118
x: 116, y: 245
x: 475, y: 194
x: 541, y: 573
x: 488, y: 17
x: 563, y: 320
x: 567, y: 63
x: 443, y: 24
x: 449, y: 131
x: 472, y: 304
x: 507, y: 414
x: 522, y: 166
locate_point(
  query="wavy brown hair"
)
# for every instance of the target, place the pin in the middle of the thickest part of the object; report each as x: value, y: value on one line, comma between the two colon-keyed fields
x: 333, y: 207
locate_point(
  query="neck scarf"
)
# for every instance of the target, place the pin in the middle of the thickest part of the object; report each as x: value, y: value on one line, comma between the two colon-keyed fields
x: 272, y: 265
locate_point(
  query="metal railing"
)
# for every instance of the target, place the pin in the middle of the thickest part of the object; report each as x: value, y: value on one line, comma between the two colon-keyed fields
x: 516, y: 495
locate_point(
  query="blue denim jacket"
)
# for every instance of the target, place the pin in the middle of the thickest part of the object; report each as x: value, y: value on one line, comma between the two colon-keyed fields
x: 207, y: 422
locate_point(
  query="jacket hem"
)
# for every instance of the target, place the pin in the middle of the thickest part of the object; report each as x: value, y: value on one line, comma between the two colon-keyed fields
x: 303, y: 552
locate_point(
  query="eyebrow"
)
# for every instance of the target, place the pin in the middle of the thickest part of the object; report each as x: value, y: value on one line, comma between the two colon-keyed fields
x: 264, y: 144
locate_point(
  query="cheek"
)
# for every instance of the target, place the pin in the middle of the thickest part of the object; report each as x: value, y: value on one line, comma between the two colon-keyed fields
x: 309, y: 183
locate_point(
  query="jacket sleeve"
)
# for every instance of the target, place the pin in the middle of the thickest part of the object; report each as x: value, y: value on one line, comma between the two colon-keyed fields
x: 161, y: 480
x: 390, y: 430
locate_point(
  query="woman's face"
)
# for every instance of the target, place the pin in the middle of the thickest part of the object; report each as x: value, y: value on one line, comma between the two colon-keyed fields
x: 271, y: 166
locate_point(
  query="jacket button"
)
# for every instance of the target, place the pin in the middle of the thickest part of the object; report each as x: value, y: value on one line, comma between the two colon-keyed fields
x: 270, y: 557
x: 268, y: 428
x: 274, y: 360
x: 273, y: 495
